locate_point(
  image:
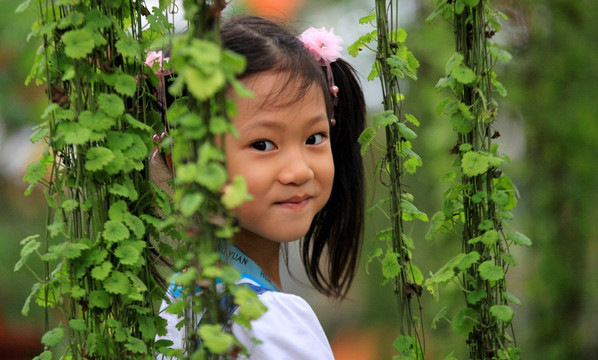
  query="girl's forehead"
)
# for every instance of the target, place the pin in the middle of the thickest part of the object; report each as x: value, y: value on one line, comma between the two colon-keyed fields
x: 279, y: 89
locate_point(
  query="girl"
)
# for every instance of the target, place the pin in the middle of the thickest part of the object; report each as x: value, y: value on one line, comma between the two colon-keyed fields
x: 299, y: 154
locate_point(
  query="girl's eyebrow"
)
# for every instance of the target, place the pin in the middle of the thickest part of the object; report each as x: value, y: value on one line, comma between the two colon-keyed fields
x: 280, y: 125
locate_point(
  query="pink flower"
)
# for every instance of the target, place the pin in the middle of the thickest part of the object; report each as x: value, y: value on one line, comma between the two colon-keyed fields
x: 324, y: 45
x: 152, y: 56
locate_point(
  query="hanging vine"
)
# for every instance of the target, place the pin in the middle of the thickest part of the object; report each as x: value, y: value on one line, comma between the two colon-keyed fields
x: 393, y: 62
x: 481, y: 202
x: 103, y: 231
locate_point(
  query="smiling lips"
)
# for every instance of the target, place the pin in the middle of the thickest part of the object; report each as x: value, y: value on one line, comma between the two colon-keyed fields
x: 295, y: 202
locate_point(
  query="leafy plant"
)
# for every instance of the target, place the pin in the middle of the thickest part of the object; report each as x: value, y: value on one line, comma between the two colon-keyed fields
x: 479, y: 201
x: 393, y: 62
x: 104, y: 232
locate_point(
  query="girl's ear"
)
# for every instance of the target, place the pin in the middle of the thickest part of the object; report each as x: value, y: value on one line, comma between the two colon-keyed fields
x: 161, y: 173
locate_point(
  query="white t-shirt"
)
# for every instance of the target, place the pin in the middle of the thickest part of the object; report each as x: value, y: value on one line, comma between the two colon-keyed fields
x: 288, y: 330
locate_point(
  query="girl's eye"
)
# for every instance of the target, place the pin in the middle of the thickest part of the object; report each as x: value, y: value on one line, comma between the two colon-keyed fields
x: 263, y: 145
x: 315, y: 139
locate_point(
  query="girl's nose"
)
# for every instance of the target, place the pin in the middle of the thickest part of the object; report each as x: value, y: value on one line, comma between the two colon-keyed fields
x: 295, y: 170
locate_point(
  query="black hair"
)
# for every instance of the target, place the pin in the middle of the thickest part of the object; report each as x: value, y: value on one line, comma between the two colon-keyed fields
x: 336, y: 231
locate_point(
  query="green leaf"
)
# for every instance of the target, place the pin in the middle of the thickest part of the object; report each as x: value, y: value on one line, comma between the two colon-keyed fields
x: 138, y: 124
x: 189, y: 203
x: 390, y: 265
x: 77, y: 292
x: 489, y: 271
x: 98, y: 121
x: 519, y: 239
x: 465, y: 320
x: 78, y: 324
x: 406, y: 132
x: 73, y: 250
x: 214, y: 339
x: 367, y: 19
x: 111, y: 105
x: 136, y: 345
x: 138, y: 150
x: 101, y: 272
x: 236, y: 193
x: 468, y: 260
x: 73, y: 133
x: 147, y: 327
x: 24, y: 6
x: 412, y: 119
x: 471, y: 3
x: 117, y: 210
x: 78, y: 43
x: 46, y: 355
x: 502, y: 312
x: 135, y: 224
x: 384, y: 119
x: 117, y: 283
x: 499, y: 54
x: 511, y: 298
x: 202, y: 84
x: 475, y: 296
x: 36, y: 171
x: 69, y: 205
x: 213, y: 176
x: 128, y: 46
x: 463, y: 74
x: 374, y: 254
x: 53, y: 337
x: 125, y: 84
x: 115, y: 231
x: 439, y: 315
x: 366, y: 138
x: 118, y: 140
x: 403, y: 343
x: 474, y: 163
x: 127, y: 253
x: 97, y: 158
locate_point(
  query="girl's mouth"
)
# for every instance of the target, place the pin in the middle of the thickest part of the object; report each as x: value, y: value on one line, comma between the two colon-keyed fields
x: 295, y: 202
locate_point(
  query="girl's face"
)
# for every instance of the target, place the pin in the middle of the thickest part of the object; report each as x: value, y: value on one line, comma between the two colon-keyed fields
x: 284, y: 154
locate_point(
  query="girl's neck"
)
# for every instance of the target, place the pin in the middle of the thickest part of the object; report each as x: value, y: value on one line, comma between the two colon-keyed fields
x: 265, y: 253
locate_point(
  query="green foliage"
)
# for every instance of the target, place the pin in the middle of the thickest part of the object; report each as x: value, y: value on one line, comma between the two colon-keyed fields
x: 393, y: 62
x: 477, y: 203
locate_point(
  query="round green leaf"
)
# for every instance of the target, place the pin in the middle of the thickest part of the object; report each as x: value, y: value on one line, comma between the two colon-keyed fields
x: 97, y: 158
x: 128, y: 47
x: 236, y: 193
x: 118, y: 140
x: 53, y: 337
x: 406, y: 132
x: 475, y: 296
x: 390, y: 265
x: 502, y: 312
x: 520, y: 239
x: 215, y: 339
x: 213, y: 176
x: 117, y: 283
x: 127, y: 254
x: 135, y: 224
x: 111, y: 105
x: 74, y: 133
x: 125, y: 84
x: 101, y: 272
x: 99, y: 299
x: 465, y: 320
x: 468, y: 260
x: 115, y: 231
x: 78, y: 324
x: 117, y: 210
x: 46, y: 355
x: 78, y: 43
x: 137, y: 150
x: 474, y: 163
x: 489, y: 271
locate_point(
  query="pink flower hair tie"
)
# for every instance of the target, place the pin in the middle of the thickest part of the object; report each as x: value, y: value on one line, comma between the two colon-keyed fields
x: 325, y: 47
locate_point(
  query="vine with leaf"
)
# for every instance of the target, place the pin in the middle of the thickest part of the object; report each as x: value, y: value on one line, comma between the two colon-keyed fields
x: 394, y: 62
x: 107, y: 221
x: 479, y: 200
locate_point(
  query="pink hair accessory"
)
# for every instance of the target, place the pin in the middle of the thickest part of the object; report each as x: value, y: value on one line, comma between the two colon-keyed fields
x: 323, y: 44
x: 325, y: 47
x: 154, y: 56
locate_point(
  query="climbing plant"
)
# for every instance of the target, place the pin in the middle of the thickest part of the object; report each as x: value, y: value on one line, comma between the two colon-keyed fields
x: 107, y: 222
x: 394, y: 62
x: 479, y: 200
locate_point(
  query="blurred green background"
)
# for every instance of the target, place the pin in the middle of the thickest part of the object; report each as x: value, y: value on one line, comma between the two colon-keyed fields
x: 549, y: 128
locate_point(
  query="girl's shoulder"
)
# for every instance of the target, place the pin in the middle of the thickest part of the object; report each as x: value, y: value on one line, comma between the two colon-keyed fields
x: 289, y: 329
